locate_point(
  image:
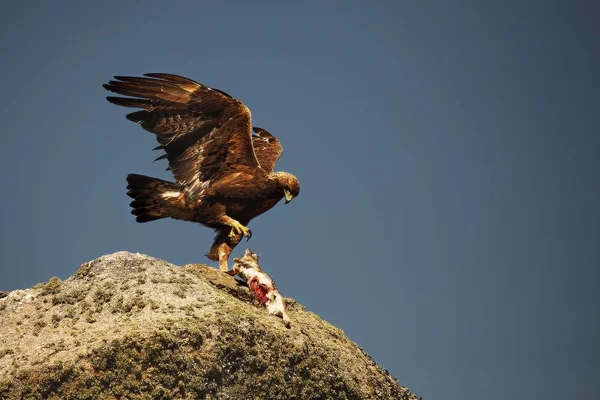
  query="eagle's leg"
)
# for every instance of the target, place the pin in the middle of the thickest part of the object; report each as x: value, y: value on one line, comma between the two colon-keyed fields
x: 222, y: 247
x: 236, y: 227
x: 239, y: 228
x: 224, y: 251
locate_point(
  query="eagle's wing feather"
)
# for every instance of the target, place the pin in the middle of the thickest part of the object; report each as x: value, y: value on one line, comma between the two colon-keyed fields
x: 267, y: 149
x: 204, y: 132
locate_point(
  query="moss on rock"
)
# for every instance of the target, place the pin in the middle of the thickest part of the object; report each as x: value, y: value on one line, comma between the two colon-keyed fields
x: 212, y: 343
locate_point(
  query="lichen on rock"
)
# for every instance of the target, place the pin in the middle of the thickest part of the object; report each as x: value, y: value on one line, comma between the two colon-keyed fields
x: 136, y: 327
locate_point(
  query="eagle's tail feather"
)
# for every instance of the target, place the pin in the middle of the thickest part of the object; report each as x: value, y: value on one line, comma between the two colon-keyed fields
x: 154, y: 199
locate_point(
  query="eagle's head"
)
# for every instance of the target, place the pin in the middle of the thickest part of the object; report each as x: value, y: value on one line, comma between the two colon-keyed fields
x: 289, y: 185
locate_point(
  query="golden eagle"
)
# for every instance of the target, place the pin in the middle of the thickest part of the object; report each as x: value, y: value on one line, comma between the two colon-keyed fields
x: 223, y: 167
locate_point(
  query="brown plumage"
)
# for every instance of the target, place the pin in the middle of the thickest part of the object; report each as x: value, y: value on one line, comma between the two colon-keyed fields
x: 223, y: 173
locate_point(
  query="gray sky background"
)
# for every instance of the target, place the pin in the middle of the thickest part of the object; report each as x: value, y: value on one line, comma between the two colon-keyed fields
x: 448, y: 154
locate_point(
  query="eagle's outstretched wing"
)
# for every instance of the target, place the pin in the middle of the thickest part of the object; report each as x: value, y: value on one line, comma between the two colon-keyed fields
x: 267, y: 149
x: 205, y: 133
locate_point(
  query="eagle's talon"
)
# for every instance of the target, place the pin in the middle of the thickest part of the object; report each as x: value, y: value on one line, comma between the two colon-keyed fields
x: 237, y: 228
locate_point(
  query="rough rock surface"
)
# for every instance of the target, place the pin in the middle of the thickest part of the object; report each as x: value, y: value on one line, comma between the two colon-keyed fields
x: 129, y: 326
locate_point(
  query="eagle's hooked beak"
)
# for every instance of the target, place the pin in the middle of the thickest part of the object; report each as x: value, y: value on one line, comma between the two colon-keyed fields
x: 288, y: 196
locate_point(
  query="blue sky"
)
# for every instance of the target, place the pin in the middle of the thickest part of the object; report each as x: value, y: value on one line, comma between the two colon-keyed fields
x: 448, y: 154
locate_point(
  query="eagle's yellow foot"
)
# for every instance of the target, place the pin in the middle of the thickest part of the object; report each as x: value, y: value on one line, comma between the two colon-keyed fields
x: 239, y: 228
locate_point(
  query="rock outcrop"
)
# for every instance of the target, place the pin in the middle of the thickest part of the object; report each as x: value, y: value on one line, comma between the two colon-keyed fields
x: 129, y: 326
